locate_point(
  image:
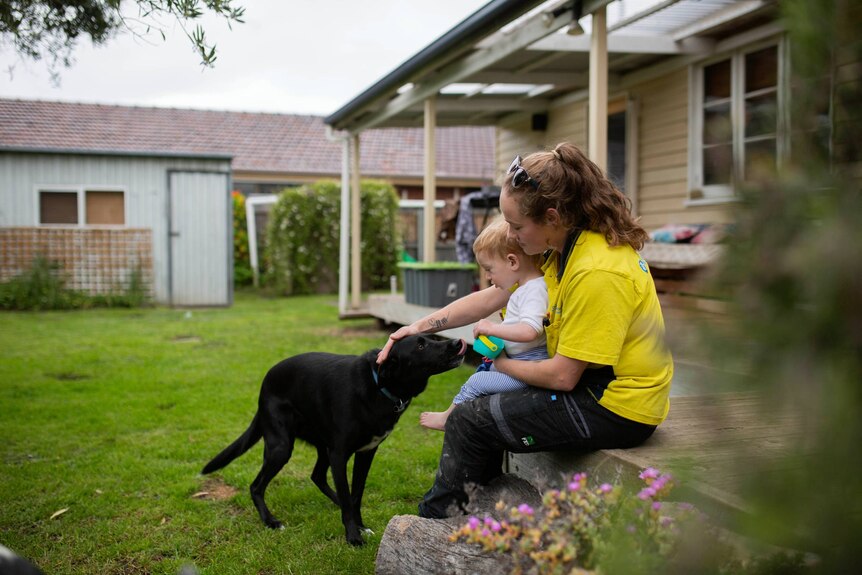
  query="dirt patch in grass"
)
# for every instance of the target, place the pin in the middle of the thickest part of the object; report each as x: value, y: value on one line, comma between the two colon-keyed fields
x: 68, y: 376
x: 186, y: 339
x: 214, y: 489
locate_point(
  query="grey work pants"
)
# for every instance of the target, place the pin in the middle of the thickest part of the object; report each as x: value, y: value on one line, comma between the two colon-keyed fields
x: 532, y: 419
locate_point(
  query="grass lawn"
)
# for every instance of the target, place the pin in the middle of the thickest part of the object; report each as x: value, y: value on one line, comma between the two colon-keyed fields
x: 109, y: 415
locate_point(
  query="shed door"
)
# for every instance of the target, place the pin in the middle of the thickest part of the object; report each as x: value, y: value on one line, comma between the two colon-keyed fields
x: 200, y: 229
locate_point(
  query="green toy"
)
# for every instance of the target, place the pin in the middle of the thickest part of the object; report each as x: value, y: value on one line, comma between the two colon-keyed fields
x: 488, y: 346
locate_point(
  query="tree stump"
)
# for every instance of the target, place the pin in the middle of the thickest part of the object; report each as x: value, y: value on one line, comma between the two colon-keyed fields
x: 415, y: 546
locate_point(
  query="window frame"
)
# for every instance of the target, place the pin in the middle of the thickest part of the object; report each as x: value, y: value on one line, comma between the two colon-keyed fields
x: 698, y: 193
x: 81, y: 192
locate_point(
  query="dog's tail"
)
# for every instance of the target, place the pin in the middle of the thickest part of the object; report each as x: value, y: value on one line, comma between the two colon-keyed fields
x: 251, y: 436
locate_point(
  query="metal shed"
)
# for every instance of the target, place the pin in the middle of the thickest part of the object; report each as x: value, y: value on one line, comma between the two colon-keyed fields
x: 183, y: 201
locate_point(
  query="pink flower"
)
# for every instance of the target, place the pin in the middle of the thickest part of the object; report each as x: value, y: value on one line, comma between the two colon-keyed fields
x: 495, y: 527
x: 574, y: 486
x: 525, y: 509
x: 659, y: 483
x: 656, y: 505
x: 649, y: 473
x: 605, y: 488
x: 473, y: 523
x: 646, y: 493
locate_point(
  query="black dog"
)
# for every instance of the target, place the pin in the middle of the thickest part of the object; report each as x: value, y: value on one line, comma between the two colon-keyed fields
x: 343, y: 405
x: 13, y: 564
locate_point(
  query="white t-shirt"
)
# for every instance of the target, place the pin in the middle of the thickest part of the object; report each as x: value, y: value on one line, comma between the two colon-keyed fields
x: 527, y: 304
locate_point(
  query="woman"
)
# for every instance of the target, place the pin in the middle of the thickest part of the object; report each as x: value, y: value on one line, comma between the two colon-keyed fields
x: 607, y: 382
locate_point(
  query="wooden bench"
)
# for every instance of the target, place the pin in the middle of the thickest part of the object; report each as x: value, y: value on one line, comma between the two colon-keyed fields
x: 711, y: 444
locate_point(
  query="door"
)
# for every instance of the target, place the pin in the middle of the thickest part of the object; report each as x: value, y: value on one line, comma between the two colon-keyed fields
x: 200, y: 238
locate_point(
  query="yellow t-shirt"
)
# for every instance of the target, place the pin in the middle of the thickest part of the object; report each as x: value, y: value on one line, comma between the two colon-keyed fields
x: 604, y: 310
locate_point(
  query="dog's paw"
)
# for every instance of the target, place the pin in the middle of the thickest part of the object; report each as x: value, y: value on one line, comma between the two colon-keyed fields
x: 275, y: 524
x: 356, y: 541
x: 354, y: 536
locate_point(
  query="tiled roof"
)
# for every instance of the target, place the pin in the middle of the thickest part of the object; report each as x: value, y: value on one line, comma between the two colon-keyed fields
x: 257, y: 142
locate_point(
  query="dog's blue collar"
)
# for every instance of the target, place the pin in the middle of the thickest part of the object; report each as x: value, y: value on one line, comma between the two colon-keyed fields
x: 400, y: 404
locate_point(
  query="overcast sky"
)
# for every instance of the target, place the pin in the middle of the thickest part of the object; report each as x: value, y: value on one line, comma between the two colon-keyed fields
x: 290, y: 56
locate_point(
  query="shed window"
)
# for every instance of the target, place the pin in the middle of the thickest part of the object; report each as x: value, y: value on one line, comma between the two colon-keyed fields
x: 58, y: 207
x: 106, y: 208
x: 99, y: 207
x: 737, y: 121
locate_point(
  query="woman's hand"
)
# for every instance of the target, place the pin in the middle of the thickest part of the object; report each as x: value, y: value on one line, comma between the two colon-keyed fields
x: 401, y: 332
x: 462, y: 311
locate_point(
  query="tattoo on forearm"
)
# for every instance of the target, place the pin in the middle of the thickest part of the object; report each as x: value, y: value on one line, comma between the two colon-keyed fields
x: 438, y: 323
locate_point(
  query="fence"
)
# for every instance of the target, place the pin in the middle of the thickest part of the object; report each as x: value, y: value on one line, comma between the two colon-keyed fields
x: 93, y: 260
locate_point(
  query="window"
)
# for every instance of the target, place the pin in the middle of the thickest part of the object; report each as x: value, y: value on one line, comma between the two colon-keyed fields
x: 105, y: 208
x: 99, y: 207
x: 58, y: 207
x: 736, y: 127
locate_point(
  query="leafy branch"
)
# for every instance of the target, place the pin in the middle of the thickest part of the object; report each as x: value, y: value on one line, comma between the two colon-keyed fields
x: 50, y: 29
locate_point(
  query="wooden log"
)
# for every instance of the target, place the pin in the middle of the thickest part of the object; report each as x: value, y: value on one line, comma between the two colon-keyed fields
x: 415, y: 546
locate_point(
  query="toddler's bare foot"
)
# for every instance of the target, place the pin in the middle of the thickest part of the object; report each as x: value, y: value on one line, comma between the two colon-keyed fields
x: 434, y: 419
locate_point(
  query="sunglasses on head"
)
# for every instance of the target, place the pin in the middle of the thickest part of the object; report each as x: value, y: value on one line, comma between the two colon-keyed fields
x: 520, y: 175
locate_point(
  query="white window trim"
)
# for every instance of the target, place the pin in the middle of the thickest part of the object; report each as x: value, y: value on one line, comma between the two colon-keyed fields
x: 81, y: 192
x: 720, y: 194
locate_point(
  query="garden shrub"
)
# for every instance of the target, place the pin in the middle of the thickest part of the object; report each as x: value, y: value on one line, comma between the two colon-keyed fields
x: 43, y: 287
x: 303, y: 237
x: 242, y: 274
x: 794, y: 266
x: 613, y: 530
x: 380, y: 243
x: 302, y: 240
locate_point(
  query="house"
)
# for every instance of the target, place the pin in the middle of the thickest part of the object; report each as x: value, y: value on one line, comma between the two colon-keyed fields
x: 680, y: 101
x: 148, y: 189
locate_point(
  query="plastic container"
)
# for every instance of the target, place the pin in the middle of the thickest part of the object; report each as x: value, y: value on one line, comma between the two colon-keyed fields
x: 437, y: 284
x: 488, y: 346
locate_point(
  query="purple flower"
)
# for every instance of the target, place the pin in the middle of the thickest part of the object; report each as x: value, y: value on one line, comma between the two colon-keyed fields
x: 646, y: 493
x: 495, y: 527
x: 665, y: 521
x: 473, y: 523
x: 525, y: 509
x: 649, y: 473
x: 488, y: 521
x: 486, y: 533
x: 656, y: 505
x: 574, y: 486
x: 661, y: 482
x: 605, y: 487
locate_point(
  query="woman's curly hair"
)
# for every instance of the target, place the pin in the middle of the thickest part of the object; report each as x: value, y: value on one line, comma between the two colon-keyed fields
x: 577, y: 188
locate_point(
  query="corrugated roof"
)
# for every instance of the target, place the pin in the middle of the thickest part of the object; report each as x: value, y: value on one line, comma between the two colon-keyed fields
x: 509, y: 59
x: 257, y: 142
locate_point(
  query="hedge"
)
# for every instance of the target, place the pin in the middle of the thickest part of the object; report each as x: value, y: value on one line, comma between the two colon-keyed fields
x: 303, y: 238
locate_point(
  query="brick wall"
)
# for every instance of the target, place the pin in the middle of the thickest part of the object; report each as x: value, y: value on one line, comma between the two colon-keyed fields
x: 97, y: 261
